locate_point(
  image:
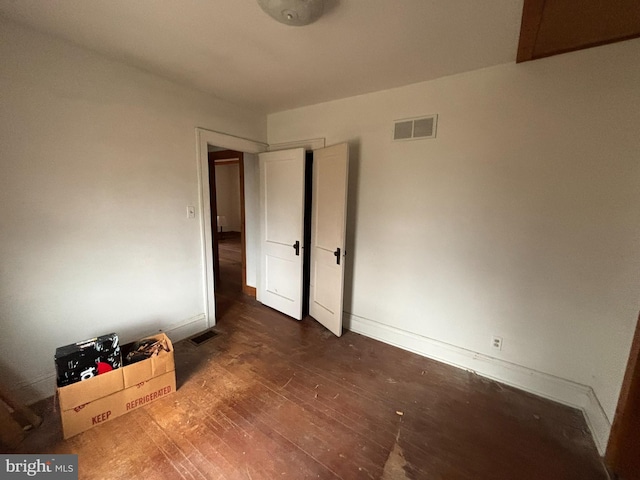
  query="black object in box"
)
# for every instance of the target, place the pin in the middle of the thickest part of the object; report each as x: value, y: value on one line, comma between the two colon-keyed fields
x: 84, y: 360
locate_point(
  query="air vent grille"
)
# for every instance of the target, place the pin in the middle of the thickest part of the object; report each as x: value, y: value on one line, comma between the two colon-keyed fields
x: 415, y: 128
x: 403, y: 130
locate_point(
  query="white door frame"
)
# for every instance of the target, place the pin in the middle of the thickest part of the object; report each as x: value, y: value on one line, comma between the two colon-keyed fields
x: 311, y: 144
x: 204, y: 138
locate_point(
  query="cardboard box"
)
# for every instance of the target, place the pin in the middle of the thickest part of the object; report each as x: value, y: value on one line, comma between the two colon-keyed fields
x: 86, y: 404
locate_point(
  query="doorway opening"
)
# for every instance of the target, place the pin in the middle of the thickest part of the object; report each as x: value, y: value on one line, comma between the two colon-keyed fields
x: 206, y: 141
x: 227, y: 207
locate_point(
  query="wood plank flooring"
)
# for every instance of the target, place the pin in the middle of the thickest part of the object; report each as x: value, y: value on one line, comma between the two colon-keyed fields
x: 273, y: 398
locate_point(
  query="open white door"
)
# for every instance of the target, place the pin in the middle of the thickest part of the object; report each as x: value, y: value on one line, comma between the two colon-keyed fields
x: 281, y: 230
x: 328, y: 225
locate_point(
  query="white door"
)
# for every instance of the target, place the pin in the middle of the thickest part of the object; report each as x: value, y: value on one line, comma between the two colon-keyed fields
x: 281, y: 230
x: 328, y: 225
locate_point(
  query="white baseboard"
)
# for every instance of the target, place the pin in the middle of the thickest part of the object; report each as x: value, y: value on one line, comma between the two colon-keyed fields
x: 539, y: 383
x: 185, y: 329
x: 31, y: 391
x: 597, y: 420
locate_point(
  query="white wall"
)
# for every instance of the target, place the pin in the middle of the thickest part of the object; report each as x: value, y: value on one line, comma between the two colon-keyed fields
x: 251, y: 219
x: 98, y: 163
x: 228, y: 195
x: 521, y: 219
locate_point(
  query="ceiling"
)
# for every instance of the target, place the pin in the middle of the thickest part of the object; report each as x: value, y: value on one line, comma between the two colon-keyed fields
x: 234, y: 51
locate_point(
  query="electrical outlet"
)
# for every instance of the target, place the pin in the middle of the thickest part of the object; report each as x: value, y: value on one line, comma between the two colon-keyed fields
x: 191, y: 211
x: 496, y: 343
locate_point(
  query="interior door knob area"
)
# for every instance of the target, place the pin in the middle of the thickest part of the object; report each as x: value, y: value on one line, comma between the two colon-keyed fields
x: 328, y: 219
x: 282, y: 201
x: 285, y: 189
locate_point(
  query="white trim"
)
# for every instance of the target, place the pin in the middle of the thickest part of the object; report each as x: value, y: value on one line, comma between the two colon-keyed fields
x: 311, y: 144
x: 33, y: 391
x: 539, y: 383
x: 189, y: 327
x: 203, y: 139
x: 598, y: 422
x: 231, y: 142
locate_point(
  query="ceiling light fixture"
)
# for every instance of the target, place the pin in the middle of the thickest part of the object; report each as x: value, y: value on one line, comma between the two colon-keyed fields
x: 293, y: 12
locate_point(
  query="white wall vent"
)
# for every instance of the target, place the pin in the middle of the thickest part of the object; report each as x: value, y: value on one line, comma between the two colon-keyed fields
x: 415, y: 128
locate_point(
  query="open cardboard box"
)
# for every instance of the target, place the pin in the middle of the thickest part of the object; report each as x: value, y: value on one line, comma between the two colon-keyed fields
x: 105, y: 397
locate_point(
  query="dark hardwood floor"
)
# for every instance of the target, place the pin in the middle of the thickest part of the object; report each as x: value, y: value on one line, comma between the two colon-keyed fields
x: 273, y: 398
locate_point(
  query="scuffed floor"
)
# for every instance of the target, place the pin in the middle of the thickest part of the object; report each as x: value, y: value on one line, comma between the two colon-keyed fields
x: 273, y: 398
